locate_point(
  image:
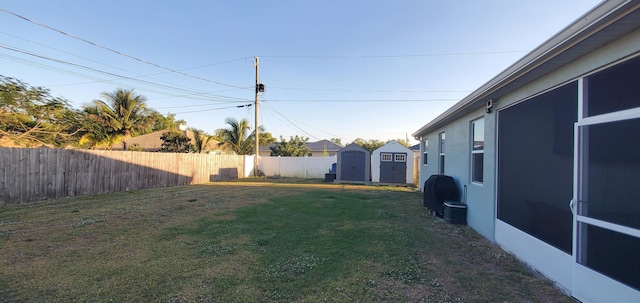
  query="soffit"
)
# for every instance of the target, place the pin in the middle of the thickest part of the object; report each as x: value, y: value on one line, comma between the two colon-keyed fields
x: 602, y: 25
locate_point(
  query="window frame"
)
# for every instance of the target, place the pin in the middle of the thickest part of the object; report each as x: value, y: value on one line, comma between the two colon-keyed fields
x: 386, y: 157
x: 476, y: 151
x: 441, y: 152
x: 425, y: 153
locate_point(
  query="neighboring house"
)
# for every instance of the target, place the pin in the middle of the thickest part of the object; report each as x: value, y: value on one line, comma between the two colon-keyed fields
x: 549, y: 151
x: 392, y: 163
x: 317, y: 149
x: 151, y: 142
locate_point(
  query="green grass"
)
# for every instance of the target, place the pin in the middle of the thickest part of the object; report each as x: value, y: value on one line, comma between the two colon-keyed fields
x: 253, y: 241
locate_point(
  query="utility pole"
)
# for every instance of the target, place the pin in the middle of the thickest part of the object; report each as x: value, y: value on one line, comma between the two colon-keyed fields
x: 255, y: 158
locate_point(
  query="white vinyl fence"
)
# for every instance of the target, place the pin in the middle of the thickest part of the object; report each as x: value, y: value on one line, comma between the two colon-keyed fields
x: 296, y: 167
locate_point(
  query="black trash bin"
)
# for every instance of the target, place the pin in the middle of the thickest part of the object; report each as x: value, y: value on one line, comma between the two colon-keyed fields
x: 330, y: 177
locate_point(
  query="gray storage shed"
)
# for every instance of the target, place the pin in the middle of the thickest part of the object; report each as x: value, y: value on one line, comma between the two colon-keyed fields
x: 354, y: 164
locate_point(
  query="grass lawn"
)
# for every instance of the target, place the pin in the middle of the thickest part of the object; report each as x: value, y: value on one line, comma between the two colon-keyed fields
x: 253, y: 240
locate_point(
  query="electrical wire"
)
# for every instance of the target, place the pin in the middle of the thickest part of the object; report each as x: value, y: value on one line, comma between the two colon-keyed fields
x: 186, y: 93
x: 201, y: 94
x: 395, y: 56
x: 200, y: 105
x: 290, y: 120
x: 213, y: 109
x: 118, y: 52
x: 115, y: 67
x: 369, y: 90
x: 363, y: 100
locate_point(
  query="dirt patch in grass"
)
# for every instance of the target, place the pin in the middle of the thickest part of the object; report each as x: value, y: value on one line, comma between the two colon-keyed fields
x: 254, y: 240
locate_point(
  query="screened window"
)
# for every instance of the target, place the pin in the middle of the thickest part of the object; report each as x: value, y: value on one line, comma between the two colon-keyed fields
x: 610, y: 155
x: 385, y: 157
x: 535, y: 165
x: 477, y: 151
x: 613, y: 155
x: 425, y: 154
x: 441, y: 162
x: 614, y: 89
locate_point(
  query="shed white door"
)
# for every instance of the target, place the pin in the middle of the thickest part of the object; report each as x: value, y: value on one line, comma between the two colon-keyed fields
x: 606, y: 208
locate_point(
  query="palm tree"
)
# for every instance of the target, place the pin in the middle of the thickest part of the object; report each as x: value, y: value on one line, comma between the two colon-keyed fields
x: 235, y: 137
x: 122, y: 112
x: 98, y: 132
x: 201, y: 141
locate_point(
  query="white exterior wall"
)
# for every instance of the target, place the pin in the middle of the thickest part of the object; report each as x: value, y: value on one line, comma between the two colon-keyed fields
x: 391, y: 147
x: 296, y: 167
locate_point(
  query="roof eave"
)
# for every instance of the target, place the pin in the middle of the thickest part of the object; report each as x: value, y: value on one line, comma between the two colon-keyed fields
x: 584, y: 27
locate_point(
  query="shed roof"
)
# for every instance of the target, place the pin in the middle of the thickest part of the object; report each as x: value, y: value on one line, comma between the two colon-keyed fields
x: 603, y: 24
x: 354, y: 147
x: 392, y: 145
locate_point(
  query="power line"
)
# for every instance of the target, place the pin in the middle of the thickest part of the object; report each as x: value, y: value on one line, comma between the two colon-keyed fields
x: 290, y: 121
x: 212, y: 109
x: 189, y: 92
x: 117, y: 52
x: 397, y: 56
x: 370, y: 90
x: 202, y: 105
x: 362, y: 100
x: 115, y: 67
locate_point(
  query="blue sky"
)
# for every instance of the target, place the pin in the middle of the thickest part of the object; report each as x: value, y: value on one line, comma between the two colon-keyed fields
x: 332, y: 69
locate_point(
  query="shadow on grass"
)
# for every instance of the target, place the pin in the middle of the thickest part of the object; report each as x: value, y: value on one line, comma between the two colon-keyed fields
x: 253, y: 241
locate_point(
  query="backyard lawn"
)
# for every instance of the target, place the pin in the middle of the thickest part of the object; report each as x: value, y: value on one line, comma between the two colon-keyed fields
x: 253, y: 240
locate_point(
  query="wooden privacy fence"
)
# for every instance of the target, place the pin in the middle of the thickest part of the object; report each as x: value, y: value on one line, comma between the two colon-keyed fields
x: 32, y: 174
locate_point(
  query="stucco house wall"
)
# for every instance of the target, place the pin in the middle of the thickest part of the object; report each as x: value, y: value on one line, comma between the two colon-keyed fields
x: 569, y: 65
x: 480, y: 197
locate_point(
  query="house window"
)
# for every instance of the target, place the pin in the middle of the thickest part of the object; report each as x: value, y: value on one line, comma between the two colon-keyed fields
x: 477, y: 150
x: 386, y: 157
x: 425, y: 159
x: 400, y: 157
x: 441, y: 162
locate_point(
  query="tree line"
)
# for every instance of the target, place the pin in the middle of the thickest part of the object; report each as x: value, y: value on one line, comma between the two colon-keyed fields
x: 30, y: 116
